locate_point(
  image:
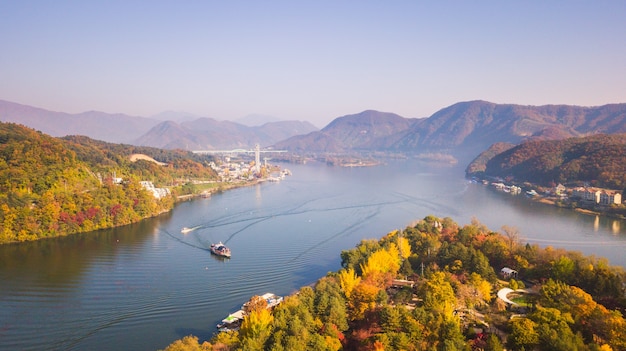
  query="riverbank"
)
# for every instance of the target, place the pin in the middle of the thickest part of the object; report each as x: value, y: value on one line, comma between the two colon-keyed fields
x: 221, y: 187
x: 563, y: 201
x: 166, y: 284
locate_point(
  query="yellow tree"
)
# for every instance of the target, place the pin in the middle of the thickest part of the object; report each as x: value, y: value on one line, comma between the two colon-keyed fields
x: 382, y: 261
x: 225, y: 341
x: 404, y: 247
x: 381, y: 267
x: 256, y: 323
x: 348, y: 280
x: 483, y: 287
x: 255, y: 329
x: 189, y: 343
x: 438, y: 294
x: 8, y: 224
x: 362, y: 299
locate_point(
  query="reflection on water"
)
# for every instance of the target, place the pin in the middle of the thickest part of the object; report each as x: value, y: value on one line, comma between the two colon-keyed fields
x: 145, y: 285
x: 606, y: 223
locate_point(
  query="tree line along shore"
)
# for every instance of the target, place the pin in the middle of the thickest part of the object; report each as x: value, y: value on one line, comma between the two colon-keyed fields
x: 434, y: 286
x: 52, y: 187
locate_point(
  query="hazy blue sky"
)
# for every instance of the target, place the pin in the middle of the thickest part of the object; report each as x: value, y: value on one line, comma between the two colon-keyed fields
x: 309, y: 60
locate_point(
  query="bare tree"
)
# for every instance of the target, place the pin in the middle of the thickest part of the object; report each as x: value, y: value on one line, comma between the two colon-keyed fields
x: 512, y: 236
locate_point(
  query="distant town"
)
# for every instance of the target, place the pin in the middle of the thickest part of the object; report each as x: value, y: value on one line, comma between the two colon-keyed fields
x: 583, y: 198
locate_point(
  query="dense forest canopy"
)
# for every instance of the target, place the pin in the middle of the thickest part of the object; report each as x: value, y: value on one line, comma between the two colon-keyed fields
x: 51, y: 186
x: 571, y: 302
x: 598, y: 160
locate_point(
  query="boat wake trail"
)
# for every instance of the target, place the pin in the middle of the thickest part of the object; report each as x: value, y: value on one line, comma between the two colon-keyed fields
x: 299, y: 210
x: 321, y: 243
x: 246, y: 227
x: 431, y: 205
x: 177, y: 238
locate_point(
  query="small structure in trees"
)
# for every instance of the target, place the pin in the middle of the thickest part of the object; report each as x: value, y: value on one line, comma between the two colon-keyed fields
x: 508, y: 273
x: 399, y: 283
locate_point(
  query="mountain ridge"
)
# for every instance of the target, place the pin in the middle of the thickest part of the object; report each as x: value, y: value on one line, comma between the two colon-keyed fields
x: 465, y: 129
x: 462, y: 130
x: 154, y: 131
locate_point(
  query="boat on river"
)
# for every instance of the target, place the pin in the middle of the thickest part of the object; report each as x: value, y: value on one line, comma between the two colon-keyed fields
x: 220, y: 249
x: 186, y: 230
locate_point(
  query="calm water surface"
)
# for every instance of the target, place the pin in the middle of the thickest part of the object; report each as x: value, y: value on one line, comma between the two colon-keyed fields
x: 142, y: 286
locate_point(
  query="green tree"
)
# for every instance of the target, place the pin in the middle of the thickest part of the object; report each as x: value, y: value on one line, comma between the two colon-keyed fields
x: 563, y: 269
x: 523, y: 335
x: 553, y: 328
x: 391, y: 318
x: 438, y: 294
x: 493, y: 343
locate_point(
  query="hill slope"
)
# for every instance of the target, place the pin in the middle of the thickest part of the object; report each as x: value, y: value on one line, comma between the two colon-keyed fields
x: 51, y: 187
x: 599, y: 160
x: 467, y: 128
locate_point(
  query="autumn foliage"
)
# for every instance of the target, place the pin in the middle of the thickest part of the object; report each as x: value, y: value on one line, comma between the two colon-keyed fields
x: 451, y: 304
x: 52, y: 187
x: 598, y: 160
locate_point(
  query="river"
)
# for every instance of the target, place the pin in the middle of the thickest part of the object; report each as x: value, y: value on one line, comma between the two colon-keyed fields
x: 142, y: 286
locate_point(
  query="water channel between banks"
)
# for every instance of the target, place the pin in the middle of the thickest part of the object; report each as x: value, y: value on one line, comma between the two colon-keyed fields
x: 142, y: 286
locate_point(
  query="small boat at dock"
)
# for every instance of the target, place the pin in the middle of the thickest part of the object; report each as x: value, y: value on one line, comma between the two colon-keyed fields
x: 220, y: 249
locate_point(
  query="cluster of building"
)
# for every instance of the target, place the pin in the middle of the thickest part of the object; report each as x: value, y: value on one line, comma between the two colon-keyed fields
x: 513, y: 189
x: 598, y: 196
x: 236, y: 171
x: 587, y: 194
x: 233, y: 171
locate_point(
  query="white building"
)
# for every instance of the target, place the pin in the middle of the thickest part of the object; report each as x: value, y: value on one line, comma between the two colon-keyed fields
x: 156, y: 192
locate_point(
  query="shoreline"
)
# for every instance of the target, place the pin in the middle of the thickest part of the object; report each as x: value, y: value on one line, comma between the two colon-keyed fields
x: 177, y: 199
x: 554, y: 202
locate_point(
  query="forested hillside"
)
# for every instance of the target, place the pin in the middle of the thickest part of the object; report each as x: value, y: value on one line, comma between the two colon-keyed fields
x: 51, y: 187
x: 571, y: 302
x: 598, y: 160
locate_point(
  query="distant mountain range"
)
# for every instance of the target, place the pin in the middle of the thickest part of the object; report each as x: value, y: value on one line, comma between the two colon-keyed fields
x: 210, y: 134
x: 115, y: 128
x: 462, y: 130
x: 168, y: 130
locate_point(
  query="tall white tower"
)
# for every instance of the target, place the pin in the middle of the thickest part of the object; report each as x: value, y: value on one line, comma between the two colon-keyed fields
x: 257, y: 159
